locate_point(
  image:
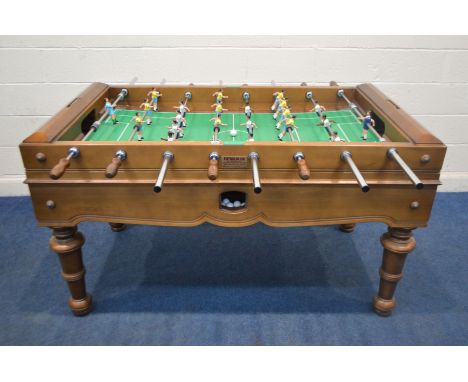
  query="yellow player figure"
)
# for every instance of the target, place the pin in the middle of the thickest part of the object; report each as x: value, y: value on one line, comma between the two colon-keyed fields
x: 138, y: 125
x: 290, y: 124
x: 154, y: 95
x: 217, y: 126
x: 146, y: 106
x: 219, y: 109
x: 219, y: 96
x: 283, y: 104
x: 284, y: 115
x: 279, y: 96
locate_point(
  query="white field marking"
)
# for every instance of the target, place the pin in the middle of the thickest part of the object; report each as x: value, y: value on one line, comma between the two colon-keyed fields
x: 339, y: 127
x: 123, y: 131
x: 297, y: 134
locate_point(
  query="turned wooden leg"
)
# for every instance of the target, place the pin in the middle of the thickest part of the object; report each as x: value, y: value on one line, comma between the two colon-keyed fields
x: 67, y: 243
x: 347, y: 227
x: 117, y: 227
x: 397, y: 243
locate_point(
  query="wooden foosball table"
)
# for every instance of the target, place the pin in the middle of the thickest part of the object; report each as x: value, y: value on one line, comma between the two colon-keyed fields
x: 82, y: 165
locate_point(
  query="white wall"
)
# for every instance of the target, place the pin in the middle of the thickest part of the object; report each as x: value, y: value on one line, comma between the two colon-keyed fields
x: 426, y: 75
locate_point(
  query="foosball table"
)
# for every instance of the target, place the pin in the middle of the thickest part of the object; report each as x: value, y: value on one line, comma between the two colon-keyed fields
x: 86, y: 164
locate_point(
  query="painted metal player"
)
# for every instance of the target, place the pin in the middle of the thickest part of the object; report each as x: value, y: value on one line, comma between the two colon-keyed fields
x: 327, y: 123
x: 367, y: 122
x: 336, y: 138
x: 248, y: 110
x: 110, y: 111
x: 219, y: 96
x: 219, y: 109
x: 283, y: 104
x: 285, y: 114
x: 138, y: 125
x: 217, y: 127
x: 249, y: 125
x: 179, y: 119
x: 319, y: 109
x: 290, y: 124
x: 154, y: 95
x: 279, y: 96
x: 148, y: 112
x: 182, y: 109
x: 175, y: 131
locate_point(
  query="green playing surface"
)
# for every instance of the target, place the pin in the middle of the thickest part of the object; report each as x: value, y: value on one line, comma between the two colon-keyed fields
x: 199, y: 128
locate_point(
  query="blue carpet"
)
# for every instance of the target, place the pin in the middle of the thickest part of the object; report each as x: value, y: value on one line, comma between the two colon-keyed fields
x: 234, y: 286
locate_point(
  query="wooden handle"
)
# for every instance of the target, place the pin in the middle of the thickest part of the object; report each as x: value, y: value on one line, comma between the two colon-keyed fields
x: 59, y: 169
x: 213, y: 169
x: 113, y: 167
x: 304, y: 172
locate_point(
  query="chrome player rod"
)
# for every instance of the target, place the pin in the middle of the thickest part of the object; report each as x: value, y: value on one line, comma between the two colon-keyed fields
x: 347, y: 157
x: 355, y: 110
x: 253, y: 156
x: 392, y: 153
x: 167, y: 157
x: 123, y: 93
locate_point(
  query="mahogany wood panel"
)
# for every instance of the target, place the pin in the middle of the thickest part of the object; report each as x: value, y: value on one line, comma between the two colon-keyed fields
x: 261, y: 97
x: 191, y: 155
x: 189, y: 205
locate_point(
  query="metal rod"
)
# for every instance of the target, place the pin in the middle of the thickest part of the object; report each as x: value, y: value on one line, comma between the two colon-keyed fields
x: 347, y: 157
x: 168, y: 156
x: 392, y: 153
x: 253, y: 156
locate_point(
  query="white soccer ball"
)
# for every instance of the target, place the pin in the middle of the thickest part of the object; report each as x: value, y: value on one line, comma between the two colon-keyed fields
x: 237, y: 204
x: 233, y: 132
x: 309, y: 95
x: 230, y: 205
x: 225, y: 202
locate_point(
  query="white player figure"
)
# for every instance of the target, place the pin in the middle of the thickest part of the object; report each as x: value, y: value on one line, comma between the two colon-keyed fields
x: 248, y: 111
x: 250, y: 127
x: 336, y: 138
x: 327, y: 124
x: 319, y: 109
x: 183, y: 109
